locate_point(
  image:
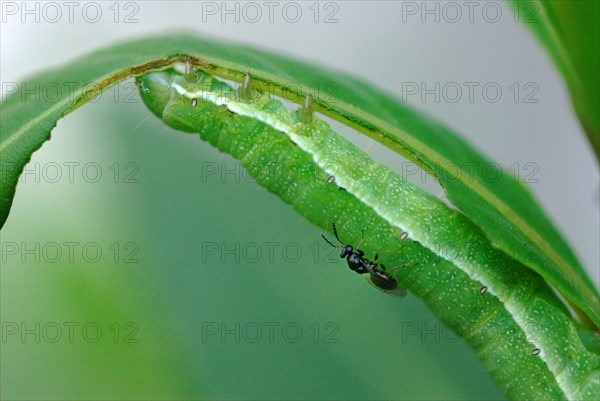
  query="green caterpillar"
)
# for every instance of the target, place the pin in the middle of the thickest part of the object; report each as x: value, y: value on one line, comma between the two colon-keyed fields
x: 537, y: 351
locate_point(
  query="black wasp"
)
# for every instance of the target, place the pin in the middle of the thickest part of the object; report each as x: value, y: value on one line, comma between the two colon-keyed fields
x: 358, y: 263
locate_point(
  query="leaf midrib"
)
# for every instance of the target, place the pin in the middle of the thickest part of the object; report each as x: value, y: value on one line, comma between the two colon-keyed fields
x: 502, y: 207
x: 234, y: 71
x: 25, y: 128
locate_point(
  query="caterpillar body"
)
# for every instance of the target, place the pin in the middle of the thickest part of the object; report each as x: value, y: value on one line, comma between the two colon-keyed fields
x: 300, y: 159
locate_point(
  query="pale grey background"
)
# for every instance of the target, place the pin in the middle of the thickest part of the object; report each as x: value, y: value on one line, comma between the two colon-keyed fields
x: 170, y: 212
x: 387, y: 46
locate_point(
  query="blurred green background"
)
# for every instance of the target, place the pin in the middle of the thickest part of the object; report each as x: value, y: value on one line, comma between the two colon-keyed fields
x: 355, y: 342
x: 156, y: 198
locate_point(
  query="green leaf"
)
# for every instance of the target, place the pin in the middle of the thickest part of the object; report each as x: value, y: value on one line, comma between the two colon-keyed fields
x: 502, y: 208
x: 473, y: 286
x: 570, y: 32
x: 518, y: 327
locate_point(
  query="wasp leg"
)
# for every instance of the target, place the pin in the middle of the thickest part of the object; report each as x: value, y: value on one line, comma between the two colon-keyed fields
x: 403, y: 266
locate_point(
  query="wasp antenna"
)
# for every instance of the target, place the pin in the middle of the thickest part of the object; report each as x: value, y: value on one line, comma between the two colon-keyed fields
x: 329, y: 242
x: 336, y: 233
